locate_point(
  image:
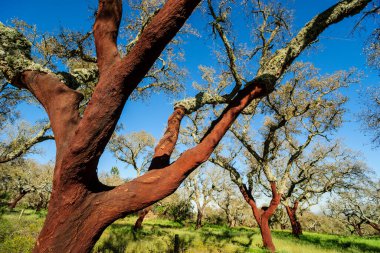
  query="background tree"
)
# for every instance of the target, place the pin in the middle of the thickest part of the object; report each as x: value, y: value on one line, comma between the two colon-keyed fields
x: 18, y: 140
x: 78, y: 197
x: 358, y: 206
x: 25, y: 177
x: 302, y: 111
x: 371, y: 115
x: 226, y: 196
x: 134, y: 149
x: 199, y: 186
x: 113, y: 178
x: 325, y: 169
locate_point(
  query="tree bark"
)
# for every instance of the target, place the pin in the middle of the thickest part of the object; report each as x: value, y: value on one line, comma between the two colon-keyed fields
x: 296, y: 225
x: 141, y: 216
x: 199, y: 219
x: 263, y: 215
x: 375, y: 226
x: 81, y: 207
x: 14, y: 202
x: 266, y: 234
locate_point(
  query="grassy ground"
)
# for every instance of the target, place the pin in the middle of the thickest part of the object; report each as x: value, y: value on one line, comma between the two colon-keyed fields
x: 17, y: 234
x: 158, y: 236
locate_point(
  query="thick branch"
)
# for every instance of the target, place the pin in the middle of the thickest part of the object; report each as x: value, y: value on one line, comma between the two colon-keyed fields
x: 123, y: 77
x: 276, y: 198
x: 165, y: 147
x: 282, y: 58
x: 22, y: 149
x: 106, y: 29
x: 160, y: 183
x: 60, y: 102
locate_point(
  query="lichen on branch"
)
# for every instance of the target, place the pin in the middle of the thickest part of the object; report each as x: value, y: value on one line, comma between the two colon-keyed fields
x: 15, y: 55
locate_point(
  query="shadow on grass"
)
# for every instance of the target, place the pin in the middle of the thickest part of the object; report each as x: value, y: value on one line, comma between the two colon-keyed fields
x: 122, y: 237
x: 221, y: 236
x: 347, y: 244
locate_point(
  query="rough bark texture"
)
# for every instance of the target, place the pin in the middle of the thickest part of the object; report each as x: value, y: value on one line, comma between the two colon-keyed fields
x: 81, y: 207
x: 263, y: 215
x: 165, y: 146
x: 296, y: 225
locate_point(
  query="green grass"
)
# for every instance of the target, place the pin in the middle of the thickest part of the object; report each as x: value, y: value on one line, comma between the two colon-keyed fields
x: 158, y: 236
x: 17, y: 234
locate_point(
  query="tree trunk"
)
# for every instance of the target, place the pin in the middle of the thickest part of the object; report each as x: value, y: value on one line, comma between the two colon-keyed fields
x: 263, y: 215
x: 140, y: 219
x: 296, y: 225
x: 358, y: 229
x: 199, y: 219
x: 230, y: 221
x: 266, y: 234
x: 74, y: 225
x: 80, y: 207
x: 13, y: 204
x: 375, y: 226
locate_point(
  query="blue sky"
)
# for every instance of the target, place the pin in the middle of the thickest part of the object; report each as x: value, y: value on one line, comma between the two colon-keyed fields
x: 337, y: 49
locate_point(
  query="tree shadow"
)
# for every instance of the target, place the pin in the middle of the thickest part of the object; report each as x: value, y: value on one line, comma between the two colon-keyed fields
x: 330, y: 241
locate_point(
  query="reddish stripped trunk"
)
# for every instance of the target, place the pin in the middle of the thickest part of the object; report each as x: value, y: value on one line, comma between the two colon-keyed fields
x: 72, y: 224
x: 263, y: 215
x: 162, y: 153
x: 81, y: 207
x: 296, y: 225
x: 266, y: 234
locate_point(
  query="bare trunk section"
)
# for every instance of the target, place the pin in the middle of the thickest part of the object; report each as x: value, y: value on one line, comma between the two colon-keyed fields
x: 14, y: 202
x: 141, y: 216
x: 375, y: 226
x: 296, y: 225
x: 199, y: 219
x: 266, y: 234
x: 72, y: 226
x: 263, y: 215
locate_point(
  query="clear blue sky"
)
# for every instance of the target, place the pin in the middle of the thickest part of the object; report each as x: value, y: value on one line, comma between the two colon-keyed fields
x: 337, y: 49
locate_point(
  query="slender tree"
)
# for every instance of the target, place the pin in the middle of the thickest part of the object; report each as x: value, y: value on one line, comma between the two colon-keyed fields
x: 135, y: 150
x: 79, y: 200
x: 199, y: 185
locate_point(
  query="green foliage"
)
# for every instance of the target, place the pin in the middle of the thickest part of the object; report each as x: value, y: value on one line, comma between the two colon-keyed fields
x: 176, y: 210
x: 18, y: 233
x: 115, y: 171
x: 158, y: 236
